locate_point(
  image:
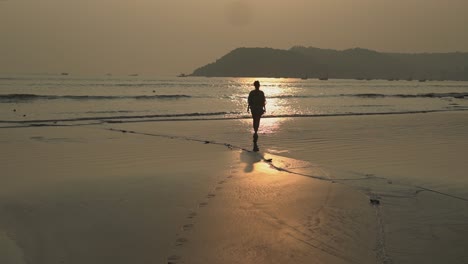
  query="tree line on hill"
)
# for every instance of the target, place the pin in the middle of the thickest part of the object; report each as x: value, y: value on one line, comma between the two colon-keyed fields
x: 357, y: 63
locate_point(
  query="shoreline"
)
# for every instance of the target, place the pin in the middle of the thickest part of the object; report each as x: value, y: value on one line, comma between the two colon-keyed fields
x: 110, y: 120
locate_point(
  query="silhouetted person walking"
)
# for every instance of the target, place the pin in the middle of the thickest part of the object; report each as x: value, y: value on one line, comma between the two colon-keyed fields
x: 257, y: 107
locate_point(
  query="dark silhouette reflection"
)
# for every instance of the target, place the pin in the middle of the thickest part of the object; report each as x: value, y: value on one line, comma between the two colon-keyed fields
x: 249, y: 159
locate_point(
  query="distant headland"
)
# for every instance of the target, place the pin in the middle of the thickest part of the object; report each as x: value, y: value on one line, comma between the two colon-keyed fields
x: 357, y: 63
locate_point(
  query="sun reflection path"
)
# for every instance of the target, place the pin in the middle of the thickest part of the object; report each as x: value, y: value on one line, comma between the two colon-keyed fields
x: 276, y: 91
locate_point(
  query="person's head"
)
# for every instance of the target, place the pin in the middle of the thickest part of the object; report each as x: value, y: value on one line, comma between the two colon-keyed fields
x: 256, y: 84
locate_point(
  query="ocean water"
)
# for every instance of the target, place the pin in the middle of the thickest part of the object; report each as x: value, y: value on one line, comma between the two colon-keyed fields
x: 38, y: 98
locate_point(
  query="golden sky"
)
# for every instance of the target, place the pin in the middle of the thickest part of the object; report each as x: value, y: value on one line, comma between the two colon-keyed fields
x: 167, y: 37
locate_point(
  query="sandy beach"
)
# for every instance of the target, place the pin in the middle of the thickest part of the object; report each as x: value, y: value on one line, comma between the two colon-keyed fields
x: 193, y: 192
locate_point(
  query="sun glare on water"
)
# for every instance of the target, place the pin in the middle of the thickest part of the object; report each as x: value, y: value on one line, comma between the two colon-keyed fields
x: 276, y: 90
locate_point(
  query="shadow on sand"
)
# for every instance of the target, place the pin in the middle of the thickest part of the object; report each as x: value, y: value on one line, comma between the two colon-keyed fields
x: 249, y: 158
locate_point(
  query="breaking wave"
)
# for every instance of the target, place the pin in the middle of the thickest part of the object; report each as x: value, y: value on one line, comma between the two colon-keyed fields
x: 377, y: 95
x: 205, y: 116
x: 31, y: 97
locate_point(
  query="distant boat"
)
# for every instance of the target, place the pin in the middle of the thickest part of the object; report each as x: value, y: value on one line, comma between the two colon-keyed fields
x: 135, y: 74
x: 182, y: 75
x: 304, y: 77
x: 422, y: 80
x: 64, y: 73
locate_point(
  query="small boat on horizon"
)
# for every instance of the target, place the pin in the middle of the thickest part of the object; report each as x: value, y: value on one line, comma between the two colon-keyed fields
x: 182, y: 75
x: 134, y: 74
x: 64, y: 73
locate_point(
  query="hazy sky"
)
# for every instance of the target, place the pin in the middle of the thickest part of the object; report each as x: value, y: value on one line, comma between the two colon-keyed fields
x: 167, y: 37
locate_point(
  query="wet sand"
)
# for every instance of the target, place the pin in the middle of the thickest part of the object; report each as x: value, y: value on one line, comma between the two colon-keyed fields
x: 192, y: 192
x: 414, y: 164
x: 90, y: 195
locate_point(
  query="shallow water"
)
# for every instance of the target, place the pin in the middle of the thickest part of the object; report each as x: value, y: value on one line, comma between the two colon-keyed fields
x: 61, y: 98
x: 381, y: 144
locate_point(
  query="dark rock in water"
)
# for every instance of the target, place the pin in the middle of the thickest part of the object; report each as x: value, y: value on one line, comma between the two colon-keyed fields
x: 24, y: 115
x: 374, y: 201
x: 14, y: 110
x: 228, y: 145
x: 124, y: 131
x: 207, y: 142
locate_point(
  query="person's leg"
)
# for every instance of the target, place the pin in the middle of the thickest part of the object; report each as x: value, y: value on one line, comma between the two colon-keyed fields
x: 256, y: 122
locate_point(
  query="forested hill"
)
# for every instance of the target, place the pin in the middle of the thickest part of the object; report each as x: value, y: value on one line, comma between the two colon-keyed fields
x: 357, y: 63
